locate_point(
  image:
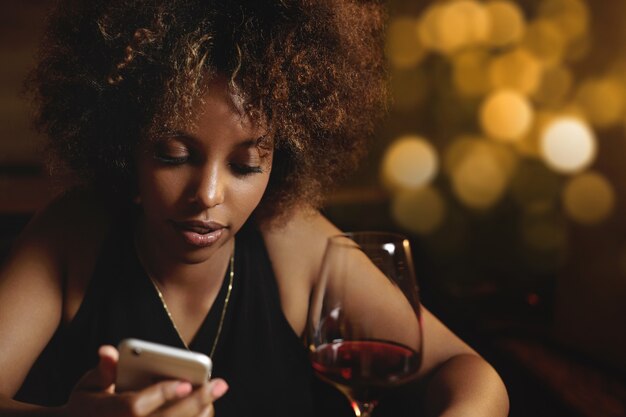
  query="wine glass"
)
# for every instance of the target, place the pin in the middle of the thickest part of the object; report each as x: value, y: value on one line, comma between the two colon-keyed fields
x: 364, y: 327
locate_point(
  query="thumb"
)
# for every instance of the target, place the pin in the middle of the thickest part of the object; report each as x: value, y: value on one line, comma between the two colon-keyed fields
x: 102, y: 377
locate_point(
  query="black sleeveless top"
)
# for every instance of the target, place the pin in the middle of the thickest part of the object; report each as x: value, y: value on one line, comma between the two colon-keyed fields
x: 264, y: 362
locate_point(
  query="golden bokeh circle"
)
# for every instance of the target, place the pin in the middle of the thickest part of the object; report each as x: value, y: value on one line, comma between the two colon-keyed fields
x: 589, y: 198
x: 409, y: 162
x: 506, y: 115
x: 420, y: 211
x: 568, y: 145
x: 508, y: 24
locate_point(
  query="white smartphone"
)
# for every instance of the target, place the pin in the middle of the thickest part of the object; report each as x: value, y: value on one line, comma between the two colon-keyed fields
x: 143, y: 363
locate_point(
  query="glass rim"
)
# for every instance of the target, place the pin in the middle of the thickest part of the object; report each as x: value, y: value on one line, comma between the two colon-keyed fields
x: 392, y: 237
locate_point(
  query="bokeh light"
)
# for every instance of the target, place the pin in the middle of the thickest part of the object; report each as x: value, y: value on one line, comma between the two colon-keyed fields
x: 427, y: 28
x: 469, y: 75
x: 403, y: 46
x: 455, y: 152
x: 530, y: 144
x: 506, y: 115
x: 518, y: 70
x: 449, y: 27
x: 409, y: 163
x: 568, y: 145
x: 588, y: 198
x: 602, y: 101
x: 507, y: 23
x: 462, y: 23
x: 544, y: 40
x: 479, y: 173
x: 570, y: 16
x: 556, y: 82
x: 508, y: 94
x: 420, y: 211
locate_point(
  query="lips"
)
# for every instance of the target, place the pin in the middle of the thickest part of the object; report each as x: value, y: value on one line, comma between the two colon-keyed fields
x: 200, y: 233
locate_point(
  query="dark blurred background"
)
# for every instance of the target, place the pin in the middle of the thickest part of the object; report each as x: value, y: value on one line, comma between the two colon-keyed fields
x: 501, y: 160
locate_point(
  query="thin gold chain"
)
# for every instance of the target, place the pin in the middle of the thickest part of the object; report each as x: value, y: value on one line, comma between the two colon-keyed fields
x: 231, y: 277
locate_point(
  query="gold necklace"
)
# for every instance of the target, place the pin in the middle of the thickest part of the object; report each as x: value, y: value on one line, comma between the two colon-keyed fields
x: 231, y: 277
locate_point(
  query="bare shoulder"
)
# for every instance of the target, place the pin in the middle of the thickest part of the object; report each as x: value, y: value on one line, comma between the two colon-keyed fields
x: 299, y: 242
x: 296, y: 247
x: 68, y: 233
x: 35, y: 280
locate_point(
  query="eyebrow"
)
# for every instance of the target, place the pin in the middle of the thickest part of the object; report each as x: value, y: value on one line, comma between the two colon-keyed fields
x: 246, y: 143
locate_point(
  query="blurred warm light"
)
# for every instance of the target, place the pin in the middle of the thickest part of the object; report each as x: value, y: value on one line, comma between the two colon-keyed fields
x: 602, y: 101
x: 409, y: 88
x: 518, y: 70
x: 534, y: 187
x: 403, y: 46
x: 457, y: 150
x: 462, y: 146
x: 570, y: 16
x: 568, y: 145
x: 469, y: 76
x: 507, y: 23
x: 420, y: 211
x: 588, y: 198
x: 506, y: 157
x: 479, y: 174
x: 506, y: 115
x: 530, y: 144
x: 618, y: 71
x: 578, y: 49
x: 448, y: 27
x: 409, y: 163
x: 556, y: 82
x: 543, y: 232
x: 475, y: 20
x: 462, y: 23
x: 428, y: 24
x: 544, y: 40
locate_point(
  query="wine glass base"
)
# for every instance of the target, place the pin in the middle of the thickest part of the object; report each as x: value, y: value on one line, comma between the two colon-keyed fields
x: 362, y: 409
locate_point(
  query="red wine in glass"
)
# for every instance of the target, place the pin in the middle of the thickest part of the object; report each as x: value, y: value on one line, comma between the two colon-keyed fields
x: 364, y: 328
x: 365, y: 369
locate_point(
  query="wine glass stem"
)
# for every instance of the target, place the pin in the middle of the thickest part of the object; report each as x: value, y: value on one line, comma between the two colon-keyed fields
x: 362, y: 409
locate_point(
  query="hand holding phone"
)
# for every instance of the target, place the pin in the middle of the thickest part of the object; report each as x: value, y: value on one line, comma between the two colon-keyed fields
x: 144, y: 363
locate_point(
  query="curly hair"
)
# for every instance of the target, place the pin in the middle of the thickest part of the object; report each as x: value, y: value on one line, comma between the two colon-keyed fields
x: 113, y: 72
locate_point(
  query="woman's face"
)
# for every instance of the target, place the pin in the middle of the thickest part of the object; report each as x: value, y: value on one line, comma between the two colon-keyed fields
x: 197, y: 188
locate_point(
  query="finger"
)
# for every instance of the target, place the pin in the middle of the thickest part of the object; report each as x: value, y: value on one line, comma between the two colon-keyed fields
x: 155, y: 396
x: 201, y: 399
x: 102, y: 377
x: 208, y: 411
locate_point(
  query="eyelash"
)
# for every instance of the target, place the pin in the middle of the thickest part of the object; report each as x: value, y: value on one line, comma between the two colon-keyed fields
x: 169, y: 160
x: 245, y: 170
x: 239, y: 169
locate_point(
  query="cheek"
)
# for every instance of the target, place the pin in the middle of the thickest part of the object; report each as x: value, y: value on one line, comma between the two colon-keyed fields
x: 157, y: 187
x: 250, y: 195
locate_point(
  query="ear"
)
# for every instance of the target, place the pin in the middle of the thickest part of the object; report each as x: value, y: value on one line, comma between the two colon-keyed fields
x: 137, y: 199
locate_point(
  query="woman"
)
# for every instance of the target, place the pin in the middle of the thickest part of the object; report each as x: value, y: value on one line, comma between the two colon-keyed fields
x: 203, y: 134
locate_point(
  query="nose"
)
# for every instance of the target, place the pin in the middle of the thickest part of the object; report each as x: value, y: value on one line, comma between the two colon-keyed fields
x: 209, y: 191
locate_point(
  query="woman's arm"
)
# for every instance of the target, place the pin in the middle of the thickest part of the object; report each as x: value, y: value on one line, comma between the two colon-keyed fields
x: 466, y: 386
x: 31, y: 298
x: 458, y: 381
x: 457, y: 378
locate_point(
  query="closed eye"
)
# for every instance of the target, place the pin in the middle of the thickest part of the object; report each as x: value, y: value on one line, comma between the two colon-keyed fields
x: 243, y: 169
x: 172, y: 160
